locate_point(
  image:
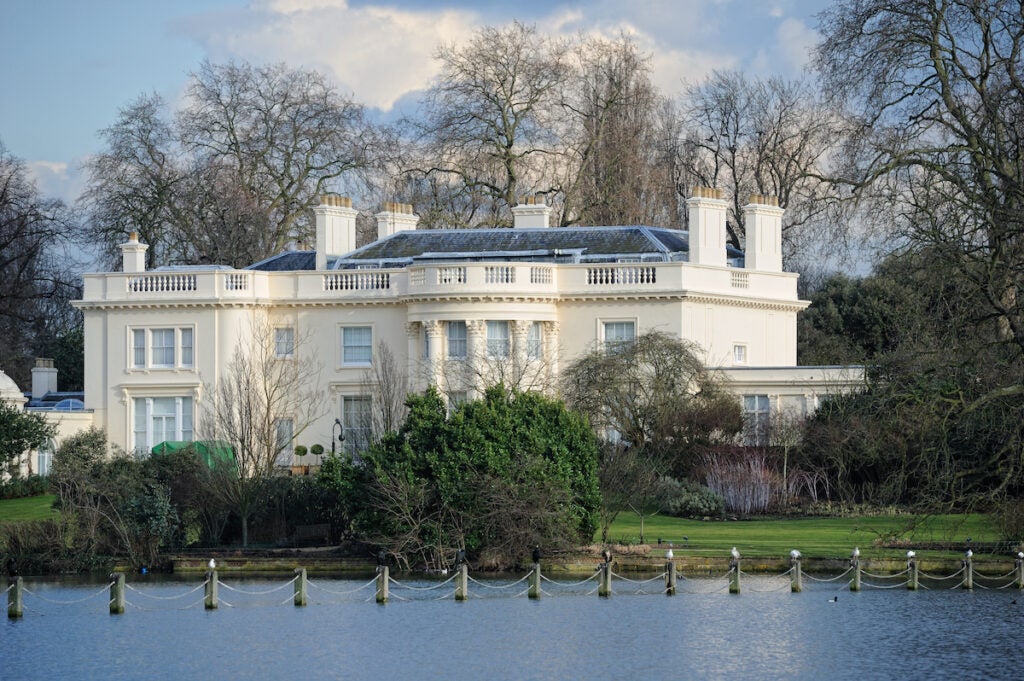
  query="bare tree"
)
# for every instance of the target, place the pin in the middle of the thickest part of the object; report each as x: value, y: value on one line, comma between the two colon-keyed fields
x: 521, y: 364
x: 284, y: 134
x: 249, y: 408
x: 36, y: 279
x: 388, y: 383
x: 655, y: 395
x: 753, y: 136
x: 614, y: 136
x: 230, y: 177
x: 486, y: 123
x: 935, y: 92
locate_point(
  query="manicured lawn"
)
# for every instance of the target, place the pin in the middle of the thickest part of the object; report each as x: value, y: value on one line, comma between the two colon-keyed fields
x: 27, y: 508
x: 814, y: 537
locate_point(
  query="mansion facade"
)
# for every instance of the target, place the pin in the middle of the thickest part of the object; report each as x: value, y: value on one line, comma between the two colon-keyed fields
x: 458, y: 309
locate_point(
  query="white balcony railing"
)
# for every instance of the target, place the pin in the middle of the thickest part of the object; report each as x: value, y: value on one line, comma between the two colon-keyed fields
x: 500, y: 274
x: 161, y: 282
x: 606, y: 275
x: 526, y: 279
x: 357, y: 281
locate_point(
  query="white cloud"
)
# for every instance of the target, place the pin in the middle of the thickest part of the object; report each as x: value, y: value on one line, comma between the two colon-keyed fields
x: 379, y: 53
x: 289, y: 6
x: 795, y: 40
x: 57, y: 179
x: 383, y: 53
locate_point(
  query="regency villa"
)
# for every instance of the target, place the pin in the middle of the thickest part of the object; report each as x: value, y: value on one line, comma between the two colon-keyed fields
x: 456, y: 309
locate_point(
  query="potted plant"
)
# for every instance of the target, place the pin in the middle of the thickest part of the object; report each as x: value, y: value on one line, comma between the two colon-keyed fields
x: 300, y: 451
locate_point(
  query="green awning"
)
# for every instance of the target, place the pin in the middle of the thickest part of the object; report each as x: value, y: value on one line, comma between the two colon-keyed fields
x: 213, y: 452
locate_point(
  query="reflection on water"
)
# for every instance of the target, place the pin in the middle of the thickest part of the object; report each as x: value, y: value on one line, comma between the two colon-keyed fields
x: 570, y: 633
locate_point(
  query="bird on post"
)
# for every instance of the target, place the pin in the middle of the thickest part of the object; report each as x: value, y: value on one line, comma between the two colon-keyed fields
x: 856, y: 552
x: 536, y: 554
x: 606, y: 555
x: 794, y: 554
x: 735, y: 553
x: 669, y: 555
x: 212, y: 564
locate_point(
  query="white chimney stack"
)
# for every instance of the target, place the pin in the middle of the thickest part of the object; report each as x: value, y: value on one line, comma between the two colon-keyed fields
x: 335, y: 228
x: 133, y: 254
x: 707, y: 226
x: 531, y: 213
x: 762, y: 218
x: 396, y: 217
x: 44, y: 378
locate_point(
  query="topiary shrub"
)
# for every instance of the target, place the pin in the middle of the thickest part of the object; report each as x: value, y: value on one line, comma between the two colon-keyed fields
x: 695, y: 500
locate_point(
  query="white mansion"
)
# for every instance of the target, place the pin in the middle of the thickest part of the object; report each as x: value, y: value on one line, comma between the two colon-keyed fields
x: 456, y: 308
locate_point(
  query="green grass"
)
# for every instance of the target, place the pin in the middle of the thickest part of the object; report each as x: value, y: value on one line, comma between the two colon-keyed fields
x: 27, y: 508
x: 814, y: 537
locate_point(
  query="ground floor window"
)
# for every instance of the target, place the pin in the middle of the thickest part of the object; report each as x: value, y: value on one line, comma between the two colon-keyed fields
x: 284, y: 432
x: 756, y: 420
x: 161, y: 419
x: 44, y: 458
x: 357, y: 417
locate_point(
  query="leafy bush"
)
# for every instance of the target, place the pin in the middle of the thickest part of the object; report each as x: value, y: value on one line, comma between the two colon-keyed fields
x: 30, y: 486
x: 692, y: 499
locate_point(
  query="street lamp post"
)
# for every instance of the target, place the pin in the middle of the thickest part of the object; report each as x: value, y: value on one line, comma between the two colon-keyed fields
x: 341, y: 434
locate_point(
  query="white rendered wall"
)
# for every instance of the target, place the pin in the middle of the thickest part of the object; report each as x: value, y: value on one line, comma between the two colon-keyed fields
x: 716, y: 307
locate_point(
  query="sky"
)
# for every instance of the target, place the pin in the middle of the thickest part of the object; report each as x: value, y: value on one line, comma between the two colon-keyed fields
x: 68, y: 66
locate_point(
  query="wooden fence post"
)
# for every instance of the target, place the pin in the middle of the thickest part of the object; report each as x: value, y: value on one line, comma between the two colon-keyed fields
x: 300, y: 587
x: 382, y: 584
x: 855, y: 584
x: 604, y: 581
x: 670, y: 578
x: 462, y: 583
x: 969, y: 571
x: 912, y: 581
x: 1020, y: 570
x: 734, y: 576
x: 796, y: 582
x: 534, y: 591
x: 210, y: 601
x: 15, y: 598
x: 117, y: 594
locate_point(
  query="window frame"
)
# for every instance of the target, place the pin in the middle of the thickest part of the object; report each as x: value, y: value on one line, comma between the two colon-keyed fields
x: 616, y: 346
x: 288, y: 342
x: 455, y: 342
x: 284, y: 452
x: 756, y: 419
x: 357, y: 437
x: 163, y: 333
x: 343, y: 347
x: 142, y: 348
x: 182, y: 414
x: 535, y: 341
x: 499, y: 346
x: 737, y: 348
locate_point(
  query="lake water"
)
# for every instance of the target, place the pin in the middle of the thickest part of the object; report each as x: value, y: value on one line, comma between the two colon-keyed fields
x: 703, y: 632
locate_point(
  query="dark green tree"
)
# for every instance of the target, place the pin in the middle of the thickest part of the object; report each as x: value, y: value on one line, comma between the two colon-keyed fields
x: 501, y: 474
x: 20, y: 432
